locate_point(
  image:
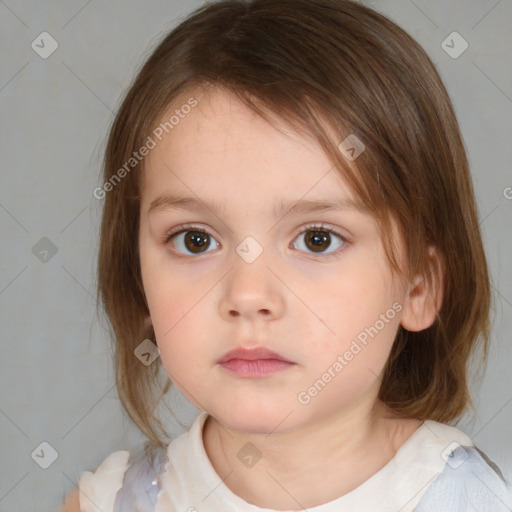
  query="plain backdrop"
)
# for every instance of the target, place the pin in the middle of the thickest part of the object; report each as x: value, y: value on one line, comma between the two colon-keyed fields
x: 58, y: 403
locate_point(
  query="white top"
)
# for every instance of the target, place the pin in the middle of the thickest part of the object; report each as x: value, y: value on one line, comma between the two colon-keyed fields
x: 190, y: 483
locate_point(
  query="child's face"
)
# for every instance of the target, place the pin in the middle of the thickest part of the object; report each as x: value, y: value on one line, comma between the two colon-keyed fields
x: 206, y: 296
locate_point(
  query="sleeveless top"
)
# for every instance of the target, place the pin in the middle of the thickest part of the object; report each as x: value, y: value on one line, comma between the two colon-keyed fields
x: 438, y: 469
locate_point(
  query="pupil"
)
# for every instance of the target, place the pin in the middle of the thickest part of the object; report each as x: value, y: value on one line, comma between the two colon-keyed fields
x: 196, y: 240
x: 317, y: 238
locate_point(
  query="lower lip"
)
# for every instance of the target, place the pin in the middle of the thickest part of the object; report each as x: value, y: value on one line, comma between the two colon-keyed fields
x: 256, y: 368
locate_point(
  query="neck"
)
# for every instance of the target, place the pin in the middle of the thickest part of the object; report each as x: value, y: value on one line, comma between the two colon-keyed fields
x: 311, y: 464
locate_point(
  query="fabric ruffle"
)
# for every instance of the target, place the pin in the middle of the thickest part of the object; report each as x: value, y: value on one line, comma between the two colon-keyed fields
x: 141, y: 483
x: 98, y: 489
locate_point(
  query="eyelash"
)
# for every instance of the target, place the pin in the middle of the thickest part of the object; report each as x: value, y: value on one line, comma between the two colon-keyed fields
x: 309, y: 227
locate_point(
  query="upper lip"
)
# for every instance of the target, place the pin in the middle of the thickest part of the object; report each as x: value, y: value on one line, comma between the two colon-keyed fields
x: 251, y: 354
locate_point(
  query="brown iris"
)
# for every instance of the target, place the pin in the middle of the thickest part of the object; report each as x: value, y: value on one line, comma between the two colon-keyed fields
x: 196, y: 241
x: 318, y: 240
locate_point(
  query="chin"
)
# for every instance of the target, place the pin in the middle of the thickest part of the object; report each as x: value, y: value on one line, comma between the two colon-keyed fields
x: 256, y: 418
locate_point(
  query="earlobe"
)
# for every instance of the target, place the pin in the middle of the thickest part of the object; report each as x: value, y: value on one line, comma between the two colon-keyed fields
x: 425, y: 296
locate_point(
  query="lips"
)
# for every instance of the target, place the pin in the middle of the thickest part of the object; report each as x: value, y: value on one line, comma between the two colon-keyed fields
x: 251, y: 354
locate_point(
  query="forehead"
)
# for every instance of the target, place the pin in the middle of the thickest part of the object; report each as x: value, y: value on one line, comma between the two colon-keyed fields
x: 223, y: 150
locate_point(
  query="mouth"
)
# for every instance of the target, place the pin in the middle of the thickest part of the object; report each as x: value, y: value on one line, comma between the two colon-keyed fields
x: 252, y: 354
x: 254, y: 362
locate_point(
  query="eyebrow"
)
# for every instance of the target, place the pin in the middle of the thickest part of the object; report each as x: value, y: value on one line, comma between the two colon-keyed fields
x: 166, y: 202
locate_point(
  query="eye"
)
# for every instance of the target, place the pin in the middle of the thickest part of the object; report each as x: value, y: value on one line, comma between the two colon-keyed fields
x: 189, y: 239
x: 195, y: 239
x: 318, y: 238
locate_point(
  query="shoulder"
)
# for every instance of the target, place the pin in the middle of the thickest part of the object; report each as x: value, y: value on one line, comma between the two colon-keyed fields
x: 123, y: 479
x: 141, y: 482
x: 98, y: 489
x: 469, y: 481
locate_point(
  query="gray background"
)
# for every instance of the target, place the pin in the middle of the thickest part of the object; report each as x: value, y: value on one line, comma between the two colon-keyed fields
x: 56, y: 367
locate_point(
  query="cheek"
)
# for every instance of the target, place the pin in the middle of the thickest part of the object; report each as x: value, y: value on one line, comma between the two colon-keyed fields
x: 180, y: 337
x: 180, y: 306
x: 168, y: 295
x: 176, y: 321
x: 181, y: 316
x: 355, y: 316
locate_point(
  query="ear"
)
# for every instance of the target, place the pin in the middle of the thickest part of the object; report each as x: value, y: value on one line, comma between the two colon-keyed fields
x: 424, y: 298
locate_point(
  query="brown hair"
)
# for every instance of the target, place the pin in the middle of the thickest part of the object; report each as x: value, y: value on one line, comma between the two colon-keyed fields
x: 327, y: 67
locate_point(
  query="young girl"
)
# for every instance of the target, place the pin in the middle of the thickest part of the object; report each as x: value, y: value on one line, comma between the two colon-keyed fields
x: 289, y: 217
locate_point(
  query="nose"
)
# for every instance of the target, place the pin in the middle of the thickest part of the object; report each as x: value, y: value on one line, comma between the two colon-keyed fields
x: 251, y: 291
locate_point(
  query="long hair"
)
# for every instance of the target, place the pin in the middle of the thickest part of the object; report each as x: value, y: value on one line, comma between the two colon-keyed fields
x: 332, y: 68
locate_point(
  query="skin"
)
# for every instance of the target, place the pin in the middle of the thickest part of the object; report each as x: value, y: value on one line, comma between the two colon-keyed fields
x: 308, y: 306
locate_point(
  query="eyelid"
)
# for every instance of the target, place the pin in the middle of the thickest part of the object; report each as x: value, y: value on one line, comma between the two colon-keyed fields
x: 301, y: 230
x: 184, y: 227
x: 322, y: 226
